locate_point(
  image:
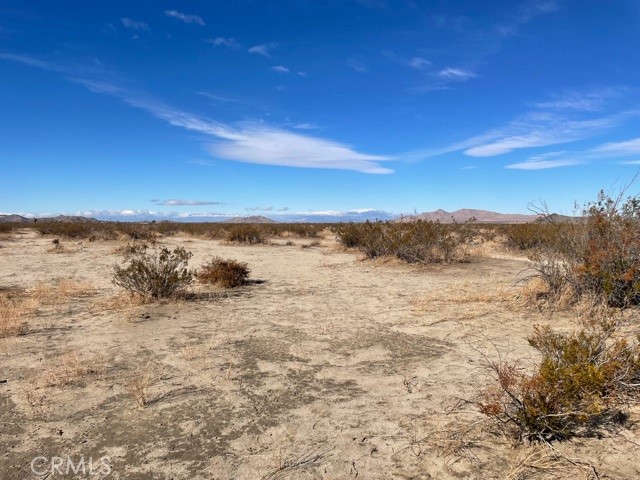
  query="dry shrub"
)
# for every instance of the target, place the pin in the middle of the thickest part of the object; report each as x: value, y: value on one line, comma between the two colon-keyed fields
x: 13, y: 311
x: 597, y: 257
x: 412, y: 242
x: 163, y: 274
x: 139, y: 383
x: 578, y: 388
x: 245, y: 234
x: 225, y: 273
x: 70, y: 368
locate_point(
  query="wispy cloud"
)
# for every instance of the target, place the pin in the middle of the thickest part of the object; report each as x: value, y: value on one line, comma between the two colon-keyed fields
x: 224, y: 41
x: 196, y: 19
x: 356, y: 65
x: 539, y: 130
x: 628, y: 147
x: 260, y: 209
x: 418, y: 63
x: 263, y: 49
x: 178, y: 202
x: 589, y: 101
x: 527, y: 12
x: 305, y: 126
x: 546, y: 161
x: 248, y: 143
x: 456, y: 74
x: 135, y: 25
x: 280, y: 69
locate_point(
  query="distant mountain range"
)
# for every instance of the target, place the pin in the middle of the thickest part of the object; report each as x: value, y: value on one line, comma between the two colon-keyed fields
x: 467, y: 214
x: 60, y: 218
x: 252, y: 219
x: 458, y: 216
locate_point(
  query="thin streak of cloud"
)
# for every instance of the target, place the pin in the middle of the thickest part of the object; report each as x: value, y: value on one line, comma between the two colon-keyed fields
x: 280, y: 69
x: 418, y: 63
x: 224, y: 41
x: 195, y: 19
x: 178, y: 202
x: 589, y: 101
x: 263, y: 49
x: 628, y: 147
x: 135, y: 25
x: 456, y: 74
x: 525, y: 14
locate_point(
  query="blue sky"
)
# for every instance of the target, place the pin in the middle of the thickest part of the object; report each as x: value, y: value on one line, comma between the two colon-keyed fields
x: 184, y: 108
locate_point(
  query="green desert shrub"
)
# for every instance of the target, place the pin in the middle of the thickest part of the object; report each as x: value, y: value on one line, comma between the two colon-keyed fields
x: 225, y: 273
x: 412, y: 242
x: 162, y: 274
x: 578, y: 388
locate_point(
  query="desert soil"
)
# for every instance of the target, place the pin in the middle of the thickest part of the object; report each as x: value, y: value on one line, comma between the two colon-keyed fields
x: 326, y: 366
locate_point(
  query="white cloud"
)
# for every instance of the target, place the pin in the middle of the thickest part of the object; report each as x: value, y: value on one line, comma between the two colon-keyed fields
x: 280, y: 69
x: 259, y: 209
x: 305, y: 126
x: 589, y: 101
x: 456, y: 74
x: 269, y: 146
x: 546, y: 161
x: 631, y: 162
x: 178, y: 202
x: 628, y: 147
x: 197, y: 19
x: 224, y: 41
x: 135, y: 25
x: 263, y: 49
x: 418, y: 63
x: 538, y: 130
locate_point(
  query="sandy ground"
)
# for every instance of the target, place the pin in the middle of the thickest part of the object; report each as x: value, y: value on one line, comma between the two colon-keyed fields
x: 326, y: 367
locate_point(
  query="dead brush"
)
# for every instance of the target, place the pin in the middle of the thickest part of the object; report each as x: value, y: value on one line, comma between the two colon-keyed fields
x: 139, y: 384
x: 224, y: 273
x: 245, y: 234
x: 123, y: 304
x: 71, y: 368
x: 13, y: 313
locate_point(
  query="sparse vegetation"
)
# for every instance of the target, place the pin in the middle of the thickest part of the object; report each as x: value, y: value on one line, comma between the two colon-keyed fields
x: 597, y: 258
x: 577, y: 388
x: 162, y: 274
x: 224, y: 273
x: 412, y: 242
x: 13, y: 311
x: 245, y: 234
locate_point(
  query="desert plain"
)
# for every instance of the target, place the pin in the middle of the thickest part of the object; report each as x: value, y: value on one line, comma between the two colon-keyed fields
x: 324, y: 366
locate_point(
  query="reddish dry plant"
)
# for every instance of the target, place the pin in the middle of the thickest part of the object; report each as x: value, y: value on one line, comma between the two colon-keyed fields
x: 225, y: 273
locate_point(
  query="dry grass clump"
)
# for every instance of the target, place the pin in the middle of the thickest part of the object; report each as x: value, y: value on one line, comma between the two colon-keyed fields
x: 580, y: 386
x: 245, y: 234
x: 225, y: 273
x: 163, y: 274
x: 412, y: 242
x: 71, y: 368
x: 13, y: 313
x: 60, y: 292
x: 139, y: 384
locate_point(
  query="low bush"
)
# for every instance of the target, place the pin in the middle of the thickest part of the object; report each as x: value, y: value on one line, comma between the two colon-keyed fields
x: 160, y: 275
x: 245, y: 234
x: 578, y: 388
x: 597, y: 257
x: 412, y: 242
x: 225, y: 273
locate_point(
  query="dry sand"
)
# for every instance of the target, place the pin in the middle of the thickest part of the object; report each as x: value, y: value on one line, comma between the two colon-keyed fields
x: 326, y: 367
